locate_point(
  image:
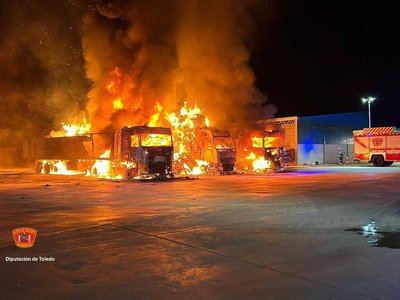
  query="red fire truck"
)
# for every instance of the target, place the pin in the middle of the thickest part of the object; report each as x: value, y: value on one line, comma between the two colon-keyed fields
x: 379, y: 145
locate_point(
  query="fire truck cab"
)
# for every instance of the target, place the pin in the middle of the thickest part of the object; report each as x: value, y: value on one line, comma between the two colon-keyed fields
x: 379, y: 145
x: 216, y: 147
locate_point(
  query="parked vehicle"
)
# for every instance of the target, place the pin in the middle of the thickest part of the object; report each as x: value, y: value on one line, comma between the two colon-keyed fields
x: 262, y: 143
x: 216, y: 147
x: 379, y: 145
x: 129, y: 152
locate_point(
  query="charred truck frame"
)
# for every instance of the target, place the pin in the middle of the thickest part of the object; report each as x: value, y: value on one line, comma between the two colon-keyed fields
x: 264, y: 143
x: 132, y: 151
x: 216, y: 147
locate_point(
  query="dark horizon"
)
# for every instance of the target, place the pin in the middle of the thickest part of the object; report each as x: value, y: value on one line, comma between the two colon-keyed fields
x: 318, y: 57
x: 309, y: 58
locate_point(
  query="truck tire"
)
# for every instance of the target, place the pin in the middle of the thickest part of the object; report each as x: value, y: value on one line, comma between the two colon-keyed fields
x: 130, y: 174
x: 47, y: 168
x: 388, y: 163
x: 228, y: 167
x: 38, y: 168
x: 378, y: 161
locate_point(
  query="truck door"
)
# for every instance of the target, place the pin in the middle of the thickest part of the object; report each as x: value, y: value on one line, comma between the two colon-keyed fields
x: 117, y: 145
x: 208, y: 147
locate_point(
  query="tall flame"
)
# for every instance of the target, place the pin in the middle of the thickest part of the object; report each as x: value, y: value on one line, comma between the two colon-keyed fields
x: 259, y: 163
x: 72, y: 129
x: 117, y: 104
x: 183, y: 124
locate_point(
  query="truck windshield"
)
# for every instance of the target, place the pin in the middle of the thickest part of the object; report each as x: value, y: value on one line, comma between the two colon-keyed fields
x: 155, y: 139
x: 257, y: 142
x: 223, y: 142
x: 271, y: 141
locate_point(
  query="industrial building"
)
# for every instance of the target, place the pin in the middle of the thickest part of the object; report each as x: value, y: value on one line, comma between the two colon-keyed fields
x: 317, y: 139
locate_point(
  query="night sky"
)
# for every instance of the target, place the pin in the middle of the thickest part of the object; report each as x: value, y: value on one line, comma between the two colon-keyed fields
x: 309, y: 57
x: 318, y: 57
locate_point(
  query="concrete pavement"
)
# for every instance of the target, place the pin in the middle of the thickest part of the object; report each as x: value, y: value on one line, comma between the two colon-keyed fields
x: 281, y: 236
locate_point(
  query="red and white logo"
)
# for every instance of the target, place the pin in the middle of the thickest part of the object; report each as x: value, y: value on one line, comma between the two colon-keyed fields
x: 24, y: 237
x: 377, y: 142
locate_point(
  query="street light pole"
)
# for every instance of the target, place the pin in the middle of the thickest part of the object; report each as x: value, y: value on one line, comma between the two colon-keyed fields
x: 369, y: 114
x: 368, y: 100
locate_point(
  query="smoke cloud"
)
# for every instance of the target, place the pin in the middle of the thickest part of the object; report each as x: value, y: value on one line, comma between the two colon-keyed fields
x: 141, y: 53
x: 61, y: 60
x: 42, y: 78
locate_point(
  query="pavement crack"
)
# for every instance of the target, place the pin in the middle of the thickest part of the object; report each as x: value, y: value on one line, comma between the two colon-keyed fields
x: 189, y: 245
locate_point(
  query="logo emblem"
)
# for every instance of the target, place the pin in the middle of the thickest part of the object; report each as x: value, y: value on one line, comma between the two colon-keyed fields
x: 24, y: 237
x: 377, y: 142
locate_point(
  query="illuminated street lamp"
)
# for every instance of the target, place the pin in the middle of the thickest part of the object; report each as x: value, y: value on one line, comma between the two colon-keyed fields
x: 368, y: 100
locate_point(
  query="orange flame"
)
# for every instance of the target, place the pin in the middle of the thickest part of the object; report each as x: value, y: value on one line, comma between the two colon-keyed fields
x: 183, y: 124
x: 117, y: 104
x: 59, y: 168
x: 259, y: 163
x: 102, y: 167
x: 155, y: 118
x: 72, y: 129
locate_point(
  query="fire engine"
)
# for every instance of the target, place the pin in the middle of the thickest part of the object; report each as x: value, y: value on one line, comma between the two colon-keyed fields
x: 379, y: 145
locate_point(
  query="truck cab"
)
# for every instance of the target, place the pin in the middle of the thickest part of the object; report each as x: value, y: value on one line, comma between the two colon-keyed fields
x: 133, y: 151
x: 143, y: 151
x: 216, y: 147
x: 262, y: 143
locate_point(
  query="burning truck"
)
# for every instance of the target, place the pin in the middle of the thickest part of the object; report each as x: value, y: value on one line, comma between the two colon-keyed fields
x: 215, y: 148
x: 131, y: 152
x: 260, y: 150
x: 199, y: 148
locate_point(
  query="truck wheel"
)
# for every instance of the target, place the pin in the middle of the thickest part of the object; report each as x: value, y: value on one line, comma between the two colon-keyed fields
x: 388, y: 163
x: 38, y: 168
x: 130, y: 174
x: 228, y: 167
x: 378, y: 161
x: 46, y: 169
